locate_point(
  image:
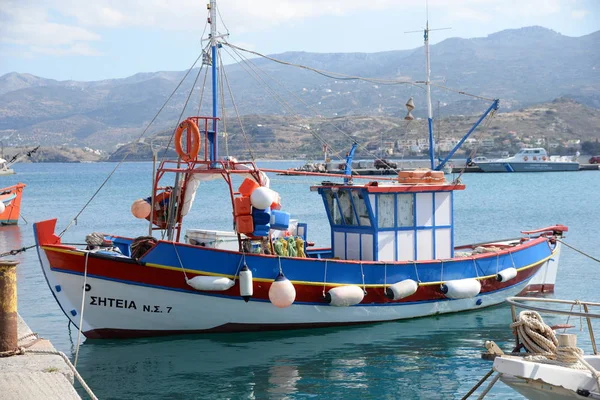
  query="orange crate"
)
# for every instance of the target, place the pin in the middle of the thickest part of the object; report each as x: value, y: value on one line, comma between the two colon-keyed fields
x: 244, y: 224
x: 247, y: 187
x: 242, y: 206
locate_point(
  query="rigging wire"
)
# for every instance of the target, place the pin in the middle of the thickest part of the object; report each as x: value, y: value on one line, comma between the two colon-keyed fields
x: 223, y: 116
x: 238, y: 114
x: 328, y: 74
x: 222, y: 20
x: 184, y: 108
x: 129, y: 151
x: 249, y: 69
x: 323, y: 141
x: 171, y: 210
x: 202, y: 90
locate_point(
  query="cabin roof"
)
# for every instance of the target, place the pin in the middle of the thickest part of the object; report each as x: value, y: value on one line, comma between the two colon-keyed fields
x: 378, y: 187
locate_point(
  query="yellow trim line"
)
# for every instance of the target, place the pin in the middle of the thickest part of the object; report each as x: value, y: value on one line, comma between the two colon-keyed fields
x: 304, y: 283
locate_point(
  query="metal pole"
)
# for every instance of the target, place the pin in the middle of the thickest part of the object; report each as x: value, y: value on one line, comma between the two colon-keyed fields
x: 429, y: 108
x: 8, y: 306
x: 591, y: 329
x: 212, y: 137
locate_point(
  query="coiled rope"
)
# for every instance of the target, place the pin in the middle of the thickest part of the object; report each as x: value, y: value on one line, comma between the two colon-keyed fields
x: 539, y: 339
x: 536, y: 336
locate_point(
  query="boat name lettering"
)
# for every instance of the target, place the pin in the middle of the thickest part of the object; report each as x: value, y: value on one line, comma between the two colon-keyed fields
x: 156, y: 309
x: 111, y: 302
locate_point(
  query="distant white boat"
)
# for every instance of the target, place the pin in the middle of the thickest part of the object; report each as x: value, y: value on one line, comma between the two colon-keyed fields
x: 5, y: 168
x: 530, y: 160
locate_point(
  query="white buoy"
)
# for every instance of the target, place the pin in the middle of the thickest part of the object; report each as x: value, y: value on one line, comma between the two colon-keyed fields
x: 506, y: 274
x: 141, y: 208
x: 246, y: 288
x: 2, y: 207
x: 402, y: 289
x: 282, y: 292
x: 461, y: 288
x: 212, y: 283
x: 262, y: 198
x: 344, y: 296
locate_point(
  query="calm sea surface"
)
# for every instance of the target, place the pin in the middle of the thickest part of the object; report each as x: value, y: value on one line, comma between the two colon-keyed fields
x: 425, y: 358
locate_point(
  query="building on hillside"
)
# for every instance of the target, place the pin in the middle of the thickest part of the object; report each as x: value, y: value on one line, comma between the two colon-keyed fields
x: 488, y: 143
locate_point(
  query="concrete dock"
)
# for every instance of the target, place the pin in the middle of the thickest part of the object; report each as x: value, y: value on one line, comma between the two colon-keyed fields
x: 35, y: 376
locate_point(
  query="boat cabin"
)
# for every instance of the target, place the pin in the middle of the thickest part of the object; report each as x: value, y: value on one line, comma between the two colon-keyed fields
x: 535, y: 154
x: 391, y: 221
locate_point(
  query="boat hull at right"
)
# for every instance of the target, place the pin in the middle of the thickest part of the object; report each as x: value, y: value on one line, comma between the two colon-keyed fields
x: 548, y: 166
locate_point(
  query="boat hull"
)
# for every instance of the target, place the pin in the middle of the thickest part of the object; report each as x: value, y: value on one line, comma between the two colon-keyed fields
x: 11, y: 198
x: 541, y: 381
x: 127, y: 298
x: 527, y: 166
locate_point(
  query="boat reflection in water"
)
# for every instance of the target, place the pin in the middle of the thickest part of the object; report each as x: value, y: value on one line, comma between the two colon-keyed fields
x: 423, y: 358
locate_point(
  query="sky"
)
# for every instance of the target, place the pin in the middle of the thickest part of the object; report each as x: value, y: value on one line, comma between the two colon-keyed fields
x: 106, y: 39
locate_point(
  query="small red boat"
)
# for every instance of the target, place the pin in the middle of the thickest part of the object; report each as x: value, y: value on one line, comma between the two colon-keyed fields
x: 10, y: 204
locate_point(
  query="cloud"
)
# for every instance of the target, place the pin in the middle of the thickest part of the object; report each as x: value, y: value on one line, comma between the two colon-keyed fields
x: 73, y: 26
x: 30, y: 28
x: 579, y: 14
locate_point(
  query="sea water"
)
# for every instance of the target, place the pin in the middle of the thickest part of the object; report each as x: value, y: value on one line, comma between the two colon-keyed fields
x: 435, y: 357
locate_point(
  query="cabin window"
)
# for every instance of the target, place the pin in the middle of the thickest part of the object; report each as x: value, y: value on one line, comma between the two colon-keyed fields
x: 385, y: 211
x: 347, y: 208
x: 361, y: 208
x: 405, y: 210
x: 332, y: 206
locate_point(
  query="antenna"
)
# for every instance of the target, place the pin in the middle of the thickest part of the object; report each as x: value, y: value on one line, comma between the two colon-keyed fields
x: 428, y: 83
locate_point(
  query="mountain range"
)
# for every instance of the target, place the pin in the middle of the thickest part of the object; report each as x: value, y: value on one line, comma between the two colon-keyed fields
x: 522, y: 67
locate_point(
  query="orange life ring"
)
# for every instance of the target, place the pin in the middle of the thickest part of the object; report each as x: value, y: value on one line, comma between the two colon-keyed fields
x: 534, y: 158
x: 544, y: 158
x: 161, y: 206
x: 193, y: 137
x: 525, y: 158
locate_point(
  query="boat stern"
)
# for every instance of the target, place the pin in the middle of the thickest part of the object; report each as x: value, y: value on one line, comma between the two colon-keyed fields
x: 11, y: 200
x: 545, y: 279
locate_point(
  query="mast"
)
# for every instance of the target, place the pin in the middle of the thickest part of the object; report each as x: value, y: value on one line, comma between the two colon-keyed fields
x: 428, y: 90
x: 212, y: 136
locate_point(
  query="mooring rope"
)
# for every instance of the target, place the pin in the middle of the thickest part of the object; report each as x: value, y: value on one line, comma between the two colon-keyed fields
x: 85, y: 268
x: 579, y: 251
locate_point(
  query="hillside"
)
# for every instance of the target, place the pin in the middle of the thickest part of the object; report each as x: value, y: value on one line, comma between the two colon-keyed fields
x: 522, y: 67
x: 282, y: 137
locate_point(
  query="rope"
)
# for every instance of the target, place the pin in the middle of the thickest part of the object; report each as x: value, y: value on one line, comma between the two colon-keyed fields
x: 489, y: 387
x: 536, y: 336
x: 251, y: 69
x: 238, y: 116
x: 82, y: 308
x: 474, y: 388
x: 16, y: 251
x: 325, y: 278
x: 71, y: 366
x: 362, y: 273
x: 484, y: 130
x: 579, y: 251
x: 127, y: 153
x: 328, y: 74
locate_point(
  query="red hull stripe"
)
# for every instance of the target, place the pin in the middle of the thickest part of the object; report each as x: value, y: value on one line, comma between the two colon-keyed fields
x: 539, y: 288
x: 138, y: 274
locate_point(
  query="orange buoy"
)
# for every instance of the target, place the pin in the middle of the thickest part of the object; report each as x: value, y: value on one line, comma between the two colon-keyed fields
x: 193, y: 140
x: 161, y: 206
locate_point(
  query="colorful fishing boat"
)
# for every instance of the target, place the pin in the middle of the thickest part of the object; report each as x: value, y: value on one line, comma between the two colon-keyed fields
x: 392, y: 253
x: 10, y: 204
